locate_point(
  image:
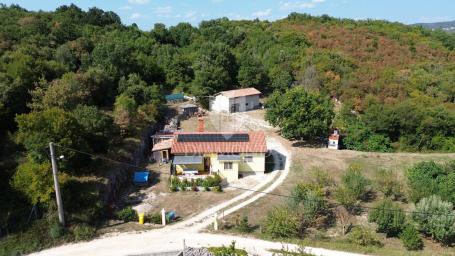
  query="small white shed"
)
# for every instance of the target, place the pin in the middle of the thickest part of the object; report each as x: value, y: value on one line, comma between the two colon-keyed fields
x: 334, y: 140
x: 239, y: 100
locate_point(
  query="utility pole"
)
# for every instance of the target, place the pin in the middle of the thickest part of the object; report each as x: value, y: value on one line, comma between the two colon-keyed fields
x: 61, y: 218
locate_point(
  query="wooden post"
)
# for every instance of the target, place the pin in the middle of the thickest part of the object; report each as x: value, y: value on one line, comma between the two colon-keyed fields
x: 58, y: 195
x: 163, y: 217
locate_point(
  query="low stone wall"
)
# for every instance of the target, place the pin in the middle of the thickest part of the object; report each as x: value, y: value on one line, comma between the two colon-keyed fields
x: 121, y: 176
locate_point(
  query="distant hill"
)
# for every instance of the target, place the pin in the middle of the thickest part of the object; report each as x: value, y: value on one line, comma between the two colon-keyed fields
x: 448, y: 26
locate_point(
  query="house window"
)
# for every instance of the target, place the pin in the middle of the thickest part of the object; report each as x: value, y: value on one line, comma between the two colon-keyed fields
x: 246, y: 104
x: 228, y: 165
x: 248, y: 159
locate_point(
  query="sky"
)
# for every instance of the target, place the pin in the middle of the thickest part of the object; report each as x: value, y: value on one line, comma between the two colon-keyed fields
x: 145, y: 13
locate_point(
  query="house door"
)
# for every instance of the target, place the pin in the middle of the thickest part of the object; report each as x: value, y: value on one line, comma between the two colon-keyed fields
x: 235, y: 108
x: 206, y: 164
x: 165, y: 156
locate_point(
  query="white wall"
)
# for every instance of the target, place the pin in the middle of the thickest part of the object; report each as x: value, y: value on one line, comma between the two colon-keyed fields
x: 219, y: 104
x: 224, y: 104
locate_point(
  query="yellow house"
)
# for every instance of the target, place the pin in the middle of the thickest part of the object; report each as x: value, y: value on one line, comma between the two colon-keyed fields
x: 228, y: 154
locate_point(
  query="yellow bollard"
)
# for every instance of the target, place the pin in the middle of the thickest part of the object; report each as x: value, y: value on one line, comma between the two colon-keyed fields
x: 141, y: 218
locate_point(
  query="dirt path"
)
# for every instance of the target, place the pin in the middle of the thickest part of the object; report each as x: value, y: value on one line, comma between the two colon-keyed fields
x: 171, y: 237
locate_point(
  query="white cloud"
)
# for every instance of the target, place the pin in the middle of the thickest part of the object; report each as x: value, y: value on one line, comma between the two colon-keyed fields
x: 261, y: 14
x: 290, y: 5
x: 163, y: 11
x: 191, y: 15
x: 138, y: 1
x: 126, y: 7
x: 137, y: 15
x: 235, y: 16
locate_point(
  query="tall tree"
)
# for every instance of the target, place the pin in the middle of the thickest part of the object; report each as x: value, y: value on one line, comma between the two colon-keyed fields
x: 299, y: 113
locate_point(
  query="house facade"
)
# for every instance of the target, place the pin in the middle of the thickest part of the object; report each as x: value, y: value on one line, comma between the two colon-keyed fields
x: 228, y: 154
x: 236, y: 100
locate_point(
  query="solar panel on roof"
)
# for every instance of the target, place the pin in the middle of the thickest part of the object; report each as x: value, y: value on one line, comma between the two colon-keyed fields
x: 238, y: 137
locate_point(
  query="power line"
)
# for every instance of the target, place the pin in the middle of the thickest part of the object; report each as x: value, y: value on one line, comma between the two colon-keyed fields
x: 249, y: 189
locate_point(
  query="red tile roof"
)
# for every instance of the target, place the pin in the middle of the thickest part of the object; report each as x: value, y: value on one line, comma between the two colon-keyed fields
x: 334, y: 137
x: 164, y: 144
x: 255, y: 144
x: 240, y: 92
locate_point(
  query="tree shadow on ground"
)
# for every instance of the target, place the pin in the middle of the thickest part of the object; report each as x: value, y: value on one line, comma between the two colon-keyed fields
x: 311, y: 143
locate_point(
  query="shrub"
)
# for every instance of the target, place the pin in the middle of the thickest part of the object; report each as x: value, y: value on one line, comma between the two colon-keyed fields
x: 218, y: 188
x: 389, y: 217
x: 436, y: 218
x: 175, y: 184
x: 173, y: 188
x: 355, y: 183
x: 387, y: 183
x: 127, y: 214
x: 364, y: 237
x: 194, y: 187
x: 378, y: 143
x: 411, y: 239
x: 300, y: 192
x: 281, y: 222
x: 213, y: 181
x: 423, y: 180
x: 244, y: 225
x: 311, y: 198
x: 228, y: 251
x: 56, y: 230
x: 83, y: 232
x: 320, y: 177
x: 346, y: 198
x: 154, y: 218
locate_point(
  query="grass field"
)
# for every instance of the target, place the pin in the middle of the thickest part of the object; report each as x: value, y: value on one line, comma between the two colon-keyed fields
x: 307, y: 157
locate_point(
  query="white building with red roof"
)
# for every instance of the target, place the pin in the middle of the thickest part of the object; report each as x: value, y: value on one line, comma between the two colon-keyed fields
x: 334, y: 140
x: 239, y: 100
x: 230, y: 154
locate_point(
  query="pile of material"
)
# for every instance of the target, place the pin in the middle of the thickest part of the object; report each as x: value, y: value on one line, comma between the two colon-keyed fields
x: 190, y: 251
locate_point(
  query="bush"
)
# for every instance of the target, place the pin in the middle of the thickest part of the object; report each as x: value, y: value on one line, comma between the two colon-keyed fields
x: 346, y: 198
x: 423, y: 180
x: 411, y: 239
x: 154, y: 218
x: 244, y: 225
x: 218, y: 188
x: 364, y: 237
x: 311, y: 197
x: 435, y: 218
x: 173, y: 188
x: 56, y: 230
x: 355, y: 183
x: 389, y: 217
x: 228, y: 251
x: 175, y: 184
x: 83, y: 232
x: 282, y: 223
x: 213, y: 181
x: 320, y: 178
x: 387, y: 183
x: 127, y: 214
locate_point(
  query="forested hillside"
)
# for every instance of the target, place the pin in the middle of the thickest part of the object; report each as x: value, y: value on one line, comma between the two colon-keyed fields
x: 83, y: 79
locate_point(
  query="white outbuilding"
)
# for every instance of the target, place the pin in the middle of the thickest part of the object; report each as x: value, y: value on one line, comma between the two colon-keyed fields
x: 239, y: 100
x: 334, y: 140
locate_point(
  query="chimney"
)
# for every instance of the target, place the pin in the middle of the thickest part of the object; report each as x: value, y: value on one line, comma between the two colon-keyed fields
x: 200, y: 124
x: 335, y: 132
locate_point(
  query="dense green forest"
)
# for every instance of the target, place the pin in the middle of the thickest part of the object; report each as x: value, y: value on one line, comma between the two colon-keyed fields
x: 84, y: 80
